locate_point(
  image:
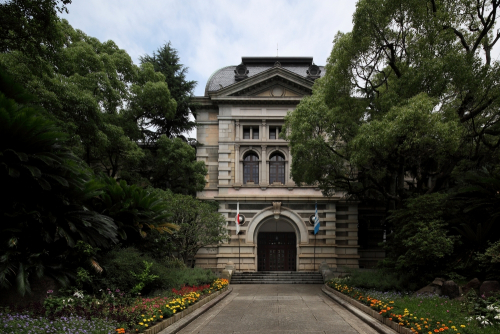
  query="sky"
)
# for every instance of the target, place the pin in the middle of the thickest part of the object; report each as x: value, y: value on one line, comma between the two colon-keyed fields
x: 210, y: 34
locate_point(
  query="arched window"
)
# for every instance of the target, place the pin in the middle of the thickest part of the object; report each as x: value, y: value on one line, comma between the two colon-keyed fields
x: 251, y: 168
x: 277, y: 168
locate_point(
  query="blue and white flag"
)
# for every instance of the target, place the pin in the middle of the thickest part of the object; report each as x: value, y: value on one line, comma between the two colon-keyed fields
x: 316, y: 220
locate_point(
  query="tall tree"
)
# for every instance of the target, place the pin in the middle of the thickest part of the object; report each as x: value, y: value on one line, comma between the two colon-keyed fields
x: 175, y: 167
x: 166, y: 61
x: 31, y: 26
x: 410, y: 98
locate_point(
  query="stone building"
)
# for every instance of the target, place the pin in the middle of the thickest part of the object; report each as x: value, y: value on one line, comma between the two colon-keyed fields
x: 239, y: 121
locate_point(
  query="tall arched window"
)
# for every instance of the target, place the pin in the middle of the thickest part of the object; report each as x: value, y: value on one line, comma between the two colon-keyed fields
x: 251, y: 168
x: 277, y: 168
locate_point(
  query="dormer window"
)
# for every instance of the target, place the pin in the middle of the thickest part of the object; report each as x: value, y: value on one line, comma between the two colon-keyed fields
x: 313, y: 72
x: 241, y: 72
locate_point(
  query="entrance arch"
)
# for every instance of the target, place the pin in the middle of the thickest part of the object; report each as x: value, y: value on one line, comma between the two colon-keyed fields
x: 286, y: 214
x: 276, y: 246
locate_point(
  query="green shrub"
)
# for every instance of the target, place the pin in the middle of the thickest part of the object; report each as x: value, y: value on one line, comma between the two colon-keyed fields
x: 379, y: 280
x: 191, y: 277
x: 119, y: 264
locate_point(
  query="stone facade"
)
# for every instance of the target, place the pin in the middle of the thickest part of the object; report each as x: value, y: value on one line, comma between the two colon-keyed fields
x: 239, y: 116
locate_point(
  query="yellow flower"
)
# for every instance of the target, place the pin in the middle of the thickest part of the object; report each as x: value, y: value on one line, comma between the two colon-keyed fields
x: 141, y: 323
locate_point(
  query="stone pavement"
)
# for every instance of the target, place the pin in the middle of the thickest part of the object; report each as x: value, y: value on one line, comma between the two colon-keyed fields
x: 277, y: 309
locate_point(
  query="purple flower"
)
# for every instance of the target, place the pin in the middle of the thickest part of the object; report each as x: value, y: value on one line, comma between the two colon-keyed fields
x: 117, y: 290
x: 50, y: 291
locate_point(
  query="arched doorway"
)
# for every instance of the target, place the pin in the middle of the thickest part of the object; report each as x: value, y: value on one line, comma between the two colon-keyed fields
x: 276, y: 246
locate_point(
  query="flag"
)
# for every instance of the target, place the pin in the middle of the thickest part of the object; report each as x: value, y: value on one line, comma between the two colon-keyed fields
x: 316, y: 220
x: 237, y: 221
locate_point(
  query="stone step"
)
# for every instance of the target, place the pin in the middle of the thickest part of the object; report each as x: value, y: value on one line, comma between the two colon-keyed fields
x: 276, y: 272
x: 273, y: 279
x: 276, y: 282
x: 277, y: 277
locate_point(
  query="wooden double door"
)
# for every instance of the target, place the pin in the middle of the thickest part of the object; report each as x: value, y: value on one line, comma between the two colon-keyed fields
x: 277, y: 251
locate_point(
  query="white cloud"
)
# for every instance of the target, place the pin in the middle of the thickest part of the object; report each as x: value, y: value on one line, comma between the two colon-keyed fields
x: 213, y: 34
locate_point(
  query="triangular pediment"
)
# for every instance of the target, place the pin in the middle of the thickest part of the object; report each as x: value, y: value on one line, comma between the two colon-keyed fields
x: 276, y: 82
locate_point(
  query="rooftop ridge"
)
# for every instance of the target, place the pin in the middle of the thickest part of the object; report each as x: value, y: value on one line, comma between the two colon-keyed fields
x: 282, y: 60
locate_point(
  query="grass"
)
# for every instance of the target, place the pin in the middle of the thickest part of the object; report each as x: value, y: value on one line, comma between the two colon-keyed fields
x: 422, y: 314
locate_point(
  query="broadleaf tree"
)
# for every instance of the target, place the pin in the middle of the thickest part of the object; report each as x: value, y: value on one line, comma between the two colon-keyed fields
x: 410, y: 97
x: 200, y: 224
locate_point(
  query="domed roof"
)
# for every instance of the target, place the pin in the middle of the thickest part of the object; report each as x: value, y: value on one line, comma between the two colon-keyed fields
x: 226, y: 76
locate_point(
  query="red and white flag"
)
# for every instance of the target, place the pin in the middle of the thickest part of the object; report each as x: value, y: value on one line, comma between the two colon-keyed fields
x: 237, y: 221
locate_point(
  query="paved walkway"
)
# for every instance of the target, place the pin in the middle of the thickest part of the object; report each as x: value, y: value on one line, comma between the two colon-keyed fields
x: 277, y: 309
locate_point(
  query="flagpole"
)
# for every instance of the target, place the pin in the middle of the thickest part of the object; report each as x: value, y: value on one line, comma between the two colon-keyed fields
x: 314, y: 265
x: 316, y: 230
x: 239, y: 253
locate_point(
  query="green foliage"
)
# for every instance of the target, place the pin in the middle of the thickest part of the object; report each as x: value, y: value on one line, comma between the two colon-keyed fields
x: 490, y: 261
x: 175, y: 167
x: 420, y: 244
x: 485, y: 311
x: 191, y: 277
x: 408, y: 108
x: 144, y: 278
x: 402, y: 98
x: 166, y: 61
x: 45, y: 190
x: 30, y: 25
x: 81, y: 87
x: 375, y: 279
x: 200, y: 224
x: 135, y: 211
x: 151, y: 104
x: 119, y: 263
x: 478, y: 193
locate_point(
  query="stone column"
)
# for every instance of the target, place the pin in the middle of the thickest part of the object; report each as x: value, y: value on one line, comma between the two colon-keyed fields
x: 237, y: 132
x: 237, y: 179
x: 263, y: 174
x: 264, y: 130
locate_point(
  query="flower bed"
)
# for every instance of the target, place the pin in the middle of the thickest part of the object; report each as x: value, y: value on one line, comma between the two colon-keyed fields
x: 156, y: 309
x: 20, y: 324
x: 420, y: 314
x: 112, y: 312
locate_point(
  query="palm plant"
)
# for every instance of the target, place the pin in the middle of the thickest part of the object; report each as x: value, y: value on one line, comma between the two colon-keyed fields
x: 44, y: 190
x: 135, y: 211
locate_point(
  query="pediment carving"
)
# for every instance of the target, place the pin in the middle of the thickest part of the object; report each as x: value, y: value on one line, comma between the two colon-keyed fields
x: 274, y: 88
x: 278, y: 91
x: 273, y: 83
